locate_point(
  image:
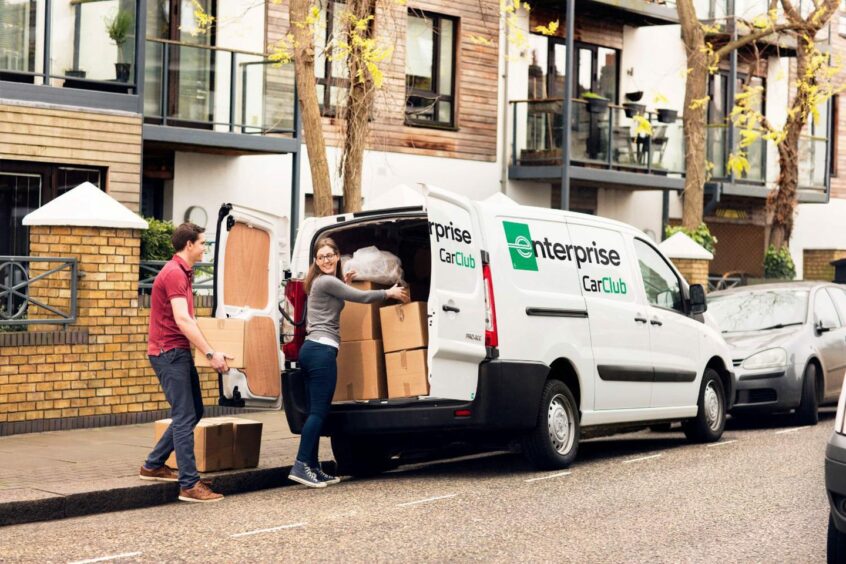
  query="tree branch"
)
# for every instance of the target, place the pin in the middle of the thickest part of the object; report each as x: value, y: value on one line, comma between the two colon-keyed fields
x: 753, y: 37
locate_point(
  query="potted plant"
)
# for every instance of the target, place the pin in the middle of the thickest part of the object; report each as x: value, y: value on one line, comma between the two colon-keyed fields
x: 74, y: 73
x: 632, y: 109
x: 666, y: 115
x: 634, y: 96
x: 596, y: 104
x: 119, y: 29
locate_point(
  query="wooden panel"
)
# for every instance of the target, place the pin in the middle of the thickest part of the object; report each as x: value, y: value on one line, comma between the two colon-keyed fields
x: 247, y: 259
x: 261, y: 358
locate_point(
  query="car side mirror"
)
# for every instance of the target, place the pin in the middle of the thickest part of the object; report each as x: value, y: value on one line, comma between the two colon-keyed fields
x: 820, y: 328
x: 697, y: 299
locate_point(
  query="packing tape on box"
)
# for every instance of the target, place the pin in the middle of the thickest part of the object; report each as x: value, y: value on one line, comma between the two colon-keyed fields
x: 403, y: 360
x: 406, y: 388
x: 401, y: 313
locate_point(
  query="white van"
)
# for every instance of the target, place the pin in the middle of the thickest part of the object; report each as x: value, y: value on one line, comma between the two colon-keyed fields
x: 544, y: 327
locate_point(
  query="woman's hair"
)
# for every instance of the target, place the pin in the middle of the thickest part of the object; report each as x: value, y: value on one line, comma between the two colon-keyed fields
x: 314, y: 270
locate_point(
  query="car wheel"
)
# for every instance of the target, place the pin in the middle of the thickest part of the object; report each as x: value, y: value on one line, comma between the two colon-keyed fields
x: 836, y: 545
x: 808, y: 411
x: 554, y: 442
x: 359, y: 457
x: 710, y: 420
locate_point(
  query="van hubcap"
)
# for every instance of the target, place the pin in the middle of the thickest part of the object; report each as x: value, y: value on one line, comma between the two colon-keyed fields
x: 560, y: 423
x: 712, y: 406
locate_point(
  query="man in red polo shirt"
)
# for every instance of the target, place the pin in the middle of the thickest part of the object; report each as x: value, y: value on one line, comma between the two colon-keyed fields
x: 173, y: 330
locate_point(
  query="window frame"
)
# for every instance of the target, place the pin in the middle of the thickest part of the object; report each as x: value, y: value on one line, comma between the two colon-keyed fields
x: 328, y: 81
x: 682, y: 293
x: 436, y: 67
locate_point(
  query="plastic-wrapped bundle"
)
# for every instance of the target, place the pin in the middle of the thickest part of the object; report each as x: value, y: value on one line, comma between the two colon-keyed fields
x: 369, y: 263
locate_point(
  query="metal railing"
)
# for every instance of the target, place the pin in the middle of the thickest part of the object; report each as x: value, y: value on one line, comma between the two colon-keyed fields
x: 16, y: 297
x: 149, y: 269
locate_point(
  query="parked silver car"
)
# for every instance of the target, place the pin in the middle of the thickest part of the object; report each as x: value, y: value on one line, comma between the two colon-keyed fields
x: 788, y: 345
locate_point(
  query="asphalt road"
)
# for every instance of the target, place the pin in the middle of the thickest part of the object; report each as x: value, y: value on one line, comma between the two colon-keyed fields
x: 756, y: 496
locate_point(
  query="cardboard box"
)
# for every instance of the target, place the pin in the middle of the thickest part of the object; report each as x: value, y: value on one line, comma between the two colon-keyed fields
x: 361, y: 371
x: 224, y: 335
x: 408, y: 374
x: 360, y: 322
x: 246, y: 446
x: 404, y: 327
x: 213, y: 440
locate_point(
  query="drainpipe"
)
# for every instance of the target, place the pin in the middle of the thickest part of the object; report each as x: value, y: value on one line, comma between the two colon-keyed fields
x: 567, y: 108
x: 295, y: 169
x: 503, y: 173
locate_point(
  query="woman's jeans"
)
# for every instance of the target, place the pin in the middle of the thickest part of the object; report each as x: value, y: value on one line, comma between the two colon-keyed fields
x: 318, y: 363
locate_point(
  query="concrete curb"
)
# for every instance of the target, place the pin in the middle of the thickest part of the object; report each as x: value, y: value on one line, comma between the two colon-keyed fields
x: 30, y: 505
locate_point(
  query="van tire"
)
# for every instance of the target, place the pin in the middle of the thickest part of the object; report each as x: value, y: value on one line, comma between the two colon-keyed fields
x: 359, y: 456
x: 808, y: 412
x: 554, y: 442
x: 710, y: 420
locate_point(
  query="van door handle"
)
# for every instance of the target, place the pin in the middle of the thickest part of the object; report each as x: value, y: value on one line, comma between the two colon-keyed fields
x: 451, y: 308
x: 640, y: 319
x: 656, y: 321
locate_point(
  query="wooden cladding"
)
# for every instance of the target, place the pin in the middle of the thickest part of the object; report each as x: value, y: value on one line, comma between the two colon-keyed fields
x: 75, y: 137
x: 474, y: 135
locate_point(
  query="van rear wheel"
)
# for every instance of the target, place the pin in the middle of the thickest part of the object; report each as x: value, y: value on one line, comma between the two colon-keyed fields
x: 710, y: 420
x: 554, y: 442
x: 359, y: 456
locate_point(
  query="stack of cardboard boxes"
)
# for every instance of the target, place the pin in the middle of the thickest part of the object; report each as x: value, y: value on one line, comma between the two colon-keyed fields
x: 383, y: 350
x: 220, y: 443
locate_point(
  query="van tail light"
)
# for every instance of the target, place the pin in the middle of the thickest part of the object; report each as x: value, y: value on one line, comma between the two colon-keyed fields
x: 491, y: 336
x: 293, y: 319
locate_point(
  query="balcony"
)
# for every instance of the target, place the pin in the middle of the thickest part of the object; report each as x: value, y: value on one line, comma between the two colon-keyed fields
x: 632, y: 12
x: 73, y: 46
x: 209, y: 96
x: 605, y: 147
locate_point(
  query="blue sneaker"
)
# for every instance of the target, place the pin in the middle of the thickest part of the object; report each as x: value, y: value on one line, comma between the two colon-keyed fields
x: 304, y: 475
x: 324, y: 477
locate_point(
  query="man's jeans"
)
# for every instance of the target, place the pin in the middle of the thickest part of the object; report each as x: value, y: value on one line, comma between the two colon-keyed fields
x: 181, y: 385
x: 318, y: 362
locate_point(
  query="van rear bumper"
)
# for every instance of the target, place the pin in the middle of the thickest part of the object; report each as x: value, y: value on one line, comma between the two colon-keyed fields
x: 507, y: 398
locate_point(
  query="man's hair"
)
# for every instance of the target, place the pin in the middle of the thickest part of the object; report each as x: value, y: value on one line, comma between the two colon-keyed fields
x: 185, y: 233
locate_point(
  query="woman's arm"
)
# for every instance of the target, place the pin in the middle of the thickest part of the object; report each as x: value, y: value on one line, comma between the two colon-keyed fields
x: 334, y: 287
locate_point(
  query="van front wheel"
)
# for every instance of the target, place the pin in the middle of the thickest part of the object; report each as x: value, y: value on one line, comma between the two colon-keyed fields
x: 710, y: 420
x: 554, y: 442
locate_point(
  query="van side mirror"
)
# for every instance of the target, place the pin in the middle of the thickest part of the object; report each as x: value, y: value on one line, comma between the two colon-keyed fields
x: 697, y: 299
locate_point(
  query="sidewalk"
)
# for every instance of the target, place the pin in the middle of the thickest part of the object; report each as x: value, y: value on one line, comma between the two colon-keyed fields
x: 61, y: 474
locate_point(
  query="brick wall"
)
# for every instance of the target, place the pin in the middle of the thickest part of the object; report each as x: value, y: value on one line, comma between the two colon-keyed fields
x: 109, y: 375
x: 817, y: 263
x: 695, y: 271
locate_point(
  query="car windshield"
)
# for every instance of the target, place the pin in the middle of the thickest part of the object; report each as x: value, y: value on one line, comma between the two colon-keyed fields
x: 757, y: 311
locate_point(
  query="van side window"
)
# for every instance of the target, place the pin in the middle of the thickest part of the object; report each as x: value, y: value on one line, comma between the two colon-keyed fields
x: 824, y: 310
x: 661, y: 284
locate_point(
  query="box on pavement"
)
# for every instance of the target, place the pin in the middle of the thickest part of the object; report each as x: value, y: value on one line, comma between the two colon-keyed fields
x: 224, y: 335
x: 246, y: 446
x: 404, y: 326
x: 407, y: 373
x: 361, y: 371
x: 213, y: 440
x: 360, y: 322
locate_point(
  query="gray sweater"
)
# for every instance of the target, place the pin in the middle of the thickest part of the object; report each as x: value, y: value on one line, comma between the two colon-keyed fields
x: 325, y: 302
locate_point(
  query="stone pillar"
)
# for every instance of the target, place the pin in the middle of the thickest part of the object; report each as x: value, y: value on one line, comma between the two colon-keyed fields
x: 691, y: 259
x: 816, y: 263
x: 695, y: 271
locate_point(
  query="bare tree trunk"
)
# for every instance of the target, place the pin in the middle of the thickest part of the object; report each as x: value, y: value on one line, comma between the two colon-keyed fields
x: 696, y: 88
x: 309, y: 106
x: 358, y: 106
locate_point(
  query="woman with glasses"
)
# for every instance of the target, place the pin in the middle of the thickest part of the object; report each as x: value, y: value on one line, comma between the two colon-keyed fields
x: 327, y: 291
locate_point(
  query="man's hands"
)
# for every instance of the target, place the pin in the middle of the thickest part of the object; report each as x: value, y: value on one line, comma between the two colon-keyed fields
x: 218, y: 361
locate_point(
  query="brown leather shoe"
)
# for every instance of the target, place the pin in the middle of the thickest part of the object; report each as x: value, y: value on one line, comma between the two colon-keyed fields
x: 163, y: 474
x: 200, y: 493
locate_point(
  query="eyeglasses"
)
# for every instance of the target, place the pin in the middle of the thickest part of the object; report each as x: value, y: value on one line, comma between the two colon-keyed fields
x: 324, y: 258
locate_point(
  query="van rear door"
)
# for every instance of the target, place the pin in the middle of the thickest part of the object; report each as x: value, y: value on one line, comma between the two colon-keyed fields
x: 456, y: 298
x: 250, y: 255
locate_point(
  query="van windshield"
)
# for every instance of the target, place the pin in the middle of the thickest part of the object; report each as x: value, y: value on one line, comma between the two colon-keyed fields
x: 758, y: 311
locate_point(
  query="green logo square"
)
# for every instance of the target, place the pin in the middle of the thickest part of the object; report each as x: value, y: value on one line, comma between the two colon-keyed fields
x: 520, y: 246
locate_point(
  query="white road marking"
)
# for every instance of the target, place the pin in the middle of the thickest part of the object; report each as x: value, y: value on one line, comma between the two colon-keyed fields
x: 549, y: 477
x: 270, y: 530
x: 722, y: 443
x: 642, y: 458
x: 427, y: 500
x: 107, y: 558
x: 791, y: 430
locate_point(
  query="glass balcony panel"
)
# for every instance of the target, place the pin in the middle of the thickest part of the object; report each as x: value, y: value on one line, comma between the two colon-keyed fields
x: 667, y: 146
x: 716, y: 149
x: 21, y: 38
x: 153, y: 80
x: 265, y: 95
x: 539, y: 132
x: 755, y: 154
x: 93, y: 40
x: 812, y: 165
x: 629, y: 148
x: 198, y: 84
x: 589, y: 133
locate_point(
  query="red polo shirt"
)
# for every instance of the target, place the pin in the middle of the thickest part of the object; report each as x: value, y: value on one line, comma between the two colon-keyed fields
x: 174, y: 281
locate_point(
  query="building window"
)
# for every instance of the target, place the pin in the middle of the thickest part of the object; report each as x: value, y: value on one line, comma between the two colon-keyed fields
x: 337, y: 205
x: 332, y: 75
x: 430, y: 69
x: 833, y: 135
